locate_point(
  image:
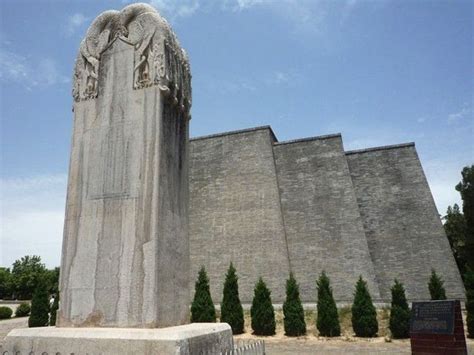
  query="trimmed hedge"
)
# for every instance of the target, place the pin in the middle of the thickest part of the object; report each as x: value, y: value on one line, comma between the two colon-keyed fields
x: 39, y: 316
x: 23, y: 310
x: 202, y: 308
x: 327, y: 321
x: 231, y: 308
x: 364, y: 315
x: 436, y: 287
x: 262, y: 312
x: 399, y: 313
x: 293, y: 312
x: 5, y: 312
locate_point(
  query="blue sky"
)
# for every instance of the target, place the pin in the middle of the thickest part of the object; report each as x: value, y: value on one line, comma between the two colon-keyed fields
x: 380, y: 72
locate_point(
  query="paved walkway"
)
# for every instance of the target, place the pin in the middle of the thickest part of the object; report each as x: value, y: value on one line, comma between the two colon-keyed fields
x: 8, y: 324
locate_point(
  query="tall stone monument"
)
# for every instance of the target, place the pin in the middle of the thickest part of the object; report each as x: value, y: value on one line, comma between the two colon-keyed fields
x: 125, y: 257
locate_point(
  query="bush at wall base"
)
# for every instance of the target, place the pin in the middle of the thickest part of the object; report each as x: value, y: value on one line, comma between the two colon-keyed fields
x: 364, y: 315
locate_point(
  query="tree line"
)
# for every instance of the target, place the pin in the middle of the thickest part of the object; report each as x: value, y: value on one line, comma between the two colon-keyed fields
x: 20, y: 282
x: 364, y: 314
x: 459, y: 227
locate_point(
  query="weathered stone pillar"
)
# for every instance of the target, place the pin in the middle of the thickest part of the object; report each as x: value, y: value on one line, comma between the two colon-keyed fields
x: 125, y: 256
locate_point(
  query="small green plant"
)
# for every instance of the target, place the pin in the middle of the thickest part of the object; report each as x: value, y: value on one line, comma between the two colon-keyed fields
x: 39, y: 316
x: 231, y: 308
x: 364, y: 315
x: 293, y: 309
x: 5, y: 312
x: 23, y: 310
x: 436, y: 287
x: 399, y: 313
x: 54, y: 311
x: 262, y: 312
x: 202, y: 308
x: 327, y: 321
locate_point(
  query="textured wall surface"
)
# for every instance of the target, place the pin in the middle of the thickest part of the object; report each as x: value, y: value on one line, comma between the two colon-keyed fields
x: 404, y: 232
x: 125, y: 259
x: 323, y: 225
x: 235, y: 212
x: 307, y: 206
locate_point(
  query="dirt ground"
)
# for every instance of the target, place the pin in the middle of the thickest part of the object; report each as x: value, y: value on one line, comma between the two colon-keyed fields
x: 311, y: 343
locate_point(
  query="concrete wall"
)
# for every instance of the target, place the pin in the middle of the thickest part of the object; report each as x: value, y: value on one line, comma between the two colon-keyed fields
x: 323, y: 225
x: 235, y: 212
x: 308, y: 206
x: 403, y: 228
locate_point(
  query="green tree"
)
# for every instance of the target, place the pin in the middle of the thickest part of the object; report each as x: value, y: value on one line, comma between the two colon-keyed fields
x: 466, y: 189
x: 26, y: 273
x: 469, y: 282
x: 456, y: 230
x: 52, y: 277
x: 262, y: 312
x: 436, y: 287
x: 54, y: 310
x: 202, y: 308
x: 364, y: 315
x: 5, y: 283
x: 39, y: 316
x: 327, y: 320
x: 231, y: 308
x: 399, y: 312
x: 293, y: 309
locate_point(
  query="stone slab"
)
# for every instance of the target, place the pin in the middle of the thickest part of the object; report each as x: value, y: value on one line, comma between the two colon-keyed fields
x: 196, y: 338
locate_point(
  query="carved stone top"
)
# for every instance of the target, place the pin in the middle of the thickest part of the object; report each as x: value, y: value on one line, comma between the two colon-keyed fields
x: 159, y: 58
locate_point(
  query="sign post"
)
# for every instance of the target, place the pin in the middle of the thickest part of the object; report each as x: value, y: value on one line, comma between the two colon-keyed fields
x: 436, y: 327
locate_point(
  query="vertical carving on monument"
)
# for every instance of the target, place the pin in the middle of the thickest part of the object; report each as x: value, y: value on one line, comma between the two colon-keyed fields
x: 159, y: 59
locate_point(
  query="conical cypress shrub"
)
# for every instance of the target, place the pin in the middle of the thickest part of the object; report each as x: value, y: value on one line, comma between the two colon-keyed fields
x: 202, y: 308
x: 364, y: 315
x: 293, y: 310
x: 469, y: 283
x: 39, y: 316
x: 436, y: 287
x: 399, y: 312
x: 327, y: 321
x: 231, y: 308
x: 261, y: 312
x: 54, y: 310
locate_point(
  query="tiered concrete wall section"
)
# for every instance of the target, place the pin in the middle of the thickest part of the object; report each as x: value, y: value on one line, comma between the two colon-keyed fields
x: 235, y: 212
x: 403, y: 228
x: 305, y: 206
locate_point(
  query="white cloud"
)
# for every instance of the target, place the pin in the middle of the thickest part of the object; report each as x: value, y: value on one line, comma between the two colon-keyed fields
x: 239, y: 5
x: 29, y: 73
x: 464, y: 112
x: 289, y: 77
x: 75, y: 22
x: 31, y: 218
x: 173, y: 9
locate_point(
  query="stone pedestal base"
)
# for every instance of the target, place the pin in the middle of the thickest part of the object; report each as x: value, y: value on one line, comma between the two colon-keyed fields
x: 197, y: 338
